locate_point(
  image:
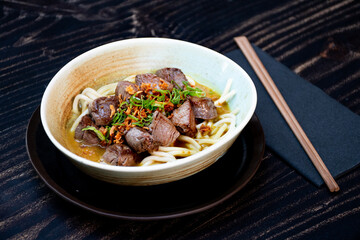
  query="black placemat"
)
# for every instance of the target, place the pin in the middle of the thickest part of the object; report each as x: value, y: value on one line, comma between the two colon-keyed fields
x: 332, y: 128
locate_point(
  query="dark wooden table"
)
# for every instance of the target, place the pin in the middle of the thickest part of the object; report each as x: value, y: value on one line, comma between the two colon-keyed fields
x: 319, y: 40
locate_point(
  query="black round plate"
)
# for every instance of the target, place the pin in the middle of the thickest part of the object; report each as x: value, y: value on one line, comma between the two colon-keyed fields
x: 187, y: 196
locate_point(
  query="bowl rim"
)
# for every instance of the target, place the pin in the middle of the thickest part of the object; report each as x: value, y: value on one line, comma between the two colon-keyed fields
x: 158, y: 167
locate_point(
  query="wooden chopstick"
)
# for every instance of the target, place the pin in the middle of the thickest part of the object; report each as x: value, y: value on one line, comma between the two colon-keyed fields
x: 285, y: 111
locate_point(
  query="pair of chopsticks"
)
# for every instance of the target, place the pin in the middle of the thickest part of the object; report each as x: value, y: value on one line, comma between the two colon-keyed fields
x: 285, y: 111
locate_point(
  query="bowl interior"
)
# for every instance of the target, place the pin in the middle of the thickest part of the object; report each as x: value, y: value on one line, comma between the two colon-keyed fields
x: 123, y: 58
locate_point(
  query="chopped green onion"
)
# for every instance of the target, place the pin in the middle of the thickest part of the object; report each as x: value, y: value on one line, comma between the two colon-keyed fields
x: 161, y: 97
x: 176, y: 96
x: 118, y: 124
x: 122, y: 104
x: 136, y: 101
x: 97, y: 132
x: 119, y: 117
x: 132, y: 117
x: 159, y: 104
x: 162, y: 91
x: 174, y: 83
x: 107, y: 132
x: 144, y: 121
x: 190, y: 91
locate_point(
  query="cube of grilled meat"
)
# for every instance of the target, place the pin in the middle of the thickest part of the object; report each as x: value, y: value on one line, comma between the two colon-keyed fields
x: 126, y: 89
x: 120, y: 155
x: 163, y: 130
x: 88, y: 137
x: 173, y: 74
x: 154, y: 81
x: 184, y: 119
x: 102, y: 109
x: 141, y: 140
x: 204, y: 108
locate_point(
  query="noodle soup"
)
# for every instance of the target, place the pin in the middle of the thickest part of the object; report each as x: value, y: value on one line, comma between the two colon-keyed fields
x: 132, y: 109
x: 132, y: 56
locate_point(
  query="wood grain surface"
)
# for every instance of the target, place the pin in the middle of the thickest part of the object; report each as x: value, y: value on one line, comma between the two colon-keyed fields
x: 319, y: 40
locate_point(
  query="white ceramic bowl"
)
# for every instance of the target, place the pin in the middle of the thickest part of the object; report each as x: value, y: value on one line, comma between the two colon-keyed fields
x: 137, y: 56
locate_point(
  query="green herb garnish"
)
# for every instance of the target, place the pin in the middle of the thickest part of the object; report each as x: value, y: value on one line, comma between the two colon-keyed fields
x: 97, y: 132
x: 190, y: 91
x: 144, y: 121
x: 132, y: 117
x: 119, y: 117
x: 176, y: 96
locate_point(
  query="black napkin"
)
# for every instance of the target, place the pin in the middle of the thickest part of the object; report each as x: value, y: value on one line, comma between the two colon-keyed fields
x: 332, y: 128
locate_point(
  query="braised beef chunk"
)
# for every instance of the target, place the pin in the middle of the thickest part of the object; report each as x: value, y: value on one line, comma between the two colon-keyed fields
x: 204, y: 108
x: 163, y: 130
x: 120, y: 155
x: 175, y: 74
x: 101, y: 110
x: 125, y: 89
x: 154, y: 81
x: 140, y: 140
x: 184, y: 119
x: 88, y: 137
